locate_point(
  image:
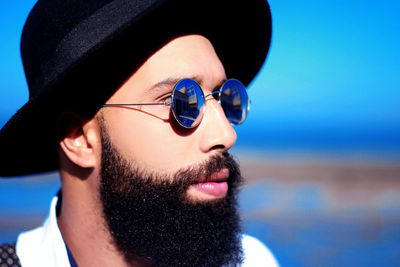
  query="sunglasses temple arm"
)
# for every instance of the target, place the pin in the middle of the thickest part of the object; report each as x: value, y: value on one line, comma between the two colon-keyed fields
x: 144, y: 104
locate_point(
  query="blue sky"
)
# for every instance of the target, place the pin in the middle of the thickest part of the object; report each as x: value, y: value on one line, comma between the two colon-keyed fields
x: 333, y: 73
x: 336, y: 60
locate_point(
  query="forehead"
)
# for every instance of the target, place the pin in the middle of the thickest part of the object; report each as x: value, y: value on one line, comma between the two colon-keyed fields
x: 184, y: 57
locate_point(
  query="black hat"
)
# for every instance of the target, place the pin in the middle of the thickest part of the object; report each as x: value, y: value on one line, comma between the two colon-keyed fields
x: 77, y: 53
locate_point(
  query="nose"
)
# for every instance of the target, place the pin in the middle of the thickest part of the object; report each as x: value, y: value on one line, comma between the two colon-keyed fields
x: 215, y: 131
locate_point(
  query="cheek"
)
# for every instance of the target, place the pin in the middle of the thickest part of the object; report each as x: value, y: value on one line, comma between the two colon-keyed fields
x: 150, y: 142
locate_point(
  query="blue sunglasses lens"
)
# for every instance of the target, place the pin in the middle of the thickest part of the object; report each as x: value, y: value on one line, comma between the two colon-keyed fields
x: 234, y: 101
x: 188, y: 103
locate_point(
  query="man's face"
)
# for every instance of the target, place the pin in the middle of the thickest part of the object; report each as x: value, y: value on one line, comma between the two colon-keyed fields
x: 168, y: 193
x: 149, y: 136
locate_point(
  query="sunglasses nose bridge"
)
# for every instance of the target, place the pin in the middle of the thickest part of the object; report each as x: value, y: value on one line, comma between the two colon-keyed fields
x: 218, y: 93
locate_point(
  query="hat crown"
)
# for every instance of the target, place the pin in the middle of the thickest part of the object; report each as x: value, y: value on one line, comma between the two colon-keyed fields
x: 58, y: 32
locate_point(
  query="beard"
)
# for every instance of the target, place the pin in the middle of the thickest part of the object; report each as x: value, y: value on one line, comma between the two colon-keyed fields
x: 152, y: 221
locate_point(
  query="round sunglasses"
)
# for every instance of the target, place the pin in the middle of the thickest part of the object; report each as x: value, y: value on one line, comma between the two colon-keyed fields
x: 188, y: 102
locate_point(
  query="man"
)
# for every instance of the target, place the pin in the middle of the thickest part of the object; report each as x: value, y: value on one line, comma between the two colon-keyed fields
x: 133, y: 103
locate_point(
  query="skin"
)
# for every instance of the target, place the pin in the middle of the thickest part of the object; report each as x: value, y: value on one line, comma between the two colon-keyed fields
x: 149, y: 137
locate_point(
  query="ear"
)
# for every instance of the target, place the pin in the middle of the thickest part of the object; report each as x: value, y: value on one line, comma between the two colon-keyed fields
x: 79, y: 139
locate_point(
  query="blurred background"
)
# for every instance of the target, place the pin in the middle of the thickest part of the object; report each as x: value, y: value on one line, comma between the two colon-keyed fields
x: 320, y: 149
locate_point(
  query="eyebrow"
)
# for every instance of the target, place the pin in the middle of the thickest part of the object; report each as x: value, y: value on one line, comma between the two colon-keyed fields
x: 170, y: 82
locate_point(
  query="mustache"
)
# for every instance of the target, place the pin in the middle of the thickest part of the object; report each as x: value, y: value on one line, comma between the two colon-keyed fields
x: 127, y: 176
x: 200, y: 173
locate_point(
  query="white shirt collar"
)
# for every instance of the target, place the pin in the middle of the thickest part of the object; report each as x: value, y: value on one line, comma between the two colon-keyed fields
x: 43, y: 246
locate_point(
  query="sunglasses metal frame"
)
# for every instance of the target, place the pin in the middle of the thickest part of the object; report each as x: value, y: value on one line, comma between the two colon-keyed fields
x: 202, y: 110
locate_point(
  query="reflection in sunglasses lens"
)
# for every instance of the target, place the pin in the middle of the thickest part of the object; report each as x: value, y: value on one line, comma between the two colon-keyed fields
x: 188, y: 103
x: 234, y: 101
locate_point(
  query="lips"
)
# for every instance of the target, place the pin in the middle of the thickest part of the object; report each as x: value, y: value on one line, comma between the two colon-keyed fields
x: 215, y: 185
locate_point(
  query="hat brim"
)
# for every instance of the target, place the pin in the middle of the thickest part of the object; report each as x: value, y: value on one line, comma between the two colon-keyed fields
x: 240, y: 32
